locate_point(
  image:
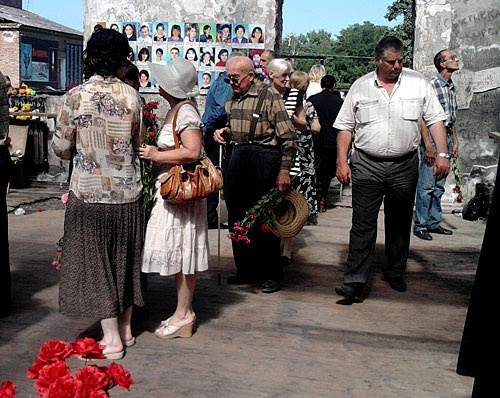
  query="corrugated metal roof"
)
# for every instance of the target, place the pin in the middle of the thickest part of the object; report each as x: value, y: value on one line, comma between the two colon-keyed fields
x: 26, y: 18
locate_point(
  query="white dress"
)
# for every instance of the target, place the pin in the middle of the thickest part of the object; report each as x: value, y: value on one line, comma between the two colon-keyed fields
x: 176, y: 234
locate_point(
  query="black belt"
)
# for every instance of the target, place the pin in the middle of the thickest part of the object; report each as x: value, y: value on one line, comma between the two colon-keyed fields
x: 400, y: 158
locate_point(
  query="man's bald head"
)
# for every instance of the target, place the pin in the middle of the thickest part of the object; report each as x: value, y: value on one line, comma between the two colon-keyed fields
x: 241, y: 73
x: 242, y: 63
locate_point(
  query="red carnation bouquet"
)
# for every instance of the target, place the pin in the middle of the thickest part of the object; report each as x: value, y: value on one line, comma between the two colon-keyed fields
x: 458, y: 182
x: 148, y: 182
x: 54, y: 379
x: 262, y: 214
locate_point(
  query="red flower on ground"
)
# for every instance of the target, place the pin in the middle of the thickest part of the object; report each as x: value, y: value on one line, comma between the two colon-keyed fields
x: 264, y: 228
x: 53, y: 351
x: 64, y: 387
x: 120, y: 376
x: 87, y: 348
x: 8, y: 389
x: 50, y: 373
x: 34, y: 369
x: 93, y: 378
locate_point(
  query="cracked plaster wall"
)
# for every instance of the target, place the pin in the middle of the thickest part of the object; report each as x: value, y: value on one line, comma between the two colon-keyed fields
x: 471, y: 29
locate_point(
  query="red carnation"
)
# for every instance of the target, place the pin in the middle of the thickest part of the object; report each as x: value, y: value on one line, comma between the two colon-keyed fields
x: 120, y: 376
x: 93, y: 378
x: 53, y: 351
x: 8, y: 389
x: 34, y: 369
x: 50, y: 373
x: 264, y: 228
x: 88, y: 348
x: 151, y: 134
x: 64, y: 387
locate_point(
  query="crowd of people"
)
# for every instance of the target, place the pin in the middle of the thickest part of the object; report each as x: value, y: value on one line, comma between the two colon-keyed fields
x: 291, y: 130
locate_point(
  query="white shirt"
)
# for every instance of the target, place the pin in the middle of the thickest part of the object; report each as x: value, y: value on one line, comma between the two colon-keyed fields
x: 389, y: 126
x: 144, y: 42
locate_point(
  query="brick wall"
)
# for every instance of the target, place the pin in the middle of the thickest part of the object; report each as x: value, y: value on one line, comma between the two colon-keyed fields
x: 9, y: 55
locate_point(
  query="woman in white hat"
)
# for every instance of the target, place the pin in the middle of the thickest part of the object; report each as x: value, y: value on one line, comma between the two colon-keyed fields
x: 176, y: 239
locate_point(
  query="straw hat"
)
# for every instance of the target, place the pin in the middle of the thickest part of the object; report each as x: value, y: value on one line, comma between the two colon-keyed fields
x: 177, y: 77
x: 292, y: 215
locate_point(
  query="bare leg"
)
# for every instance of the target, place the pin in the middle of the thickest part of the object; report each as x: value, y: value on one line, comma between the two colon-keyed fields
x: 124, y: 324
x: 287, y: 247
x: 111, y: 338
x: 184, y: 313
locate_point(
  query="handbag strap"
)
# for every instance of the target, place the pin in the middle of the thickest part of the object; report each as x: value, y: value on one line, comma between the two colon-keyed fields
x: 257, y: 113
x: 174, y: 122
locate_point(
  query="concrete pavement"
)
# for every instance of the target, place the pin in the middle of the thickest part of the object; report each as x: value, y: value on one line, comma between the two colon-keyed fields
x: 295, y: 343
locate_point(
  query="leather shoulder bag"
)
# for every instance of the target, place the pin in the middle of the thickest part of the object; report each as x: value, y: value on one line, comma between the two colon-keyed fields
x: 193, y: 181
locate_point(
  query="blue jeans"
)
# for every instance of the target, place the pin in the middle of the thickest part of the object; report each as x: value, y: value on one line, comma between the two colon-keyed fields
x: 429, y: 192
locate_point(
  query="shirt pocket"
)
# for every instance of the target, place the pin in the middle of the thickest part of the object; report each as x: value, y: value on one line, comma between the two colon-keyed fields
x: 367, y: 112
x: 411, y: 108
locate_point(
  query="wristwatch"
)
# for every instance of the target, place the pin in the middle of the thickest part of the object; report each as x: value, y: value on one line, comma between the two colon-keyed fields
x: 443, y: 155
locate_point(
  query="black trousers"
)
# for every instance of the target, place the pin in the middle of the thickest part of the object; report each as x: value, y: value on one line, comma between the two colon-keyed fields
x: 325, y: 163
x: 394, y: 181
x: 5, y: 279
x: 251, y: 173
x: 212, y: 151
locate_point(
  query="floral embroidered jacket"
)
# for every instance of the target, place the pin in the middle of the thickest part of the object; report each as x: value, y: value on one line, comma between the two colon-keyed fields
x: 102, y: 119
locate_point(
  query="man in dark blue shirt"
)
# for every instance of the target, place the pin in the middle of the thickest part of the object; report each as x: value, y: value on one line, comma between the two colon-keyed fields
x: 215, y: 118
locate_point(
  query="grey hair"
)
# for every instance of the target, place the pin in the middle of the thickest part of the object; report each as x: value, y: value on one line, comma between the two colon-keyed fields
x: 386, y: 43
x: 235, y: 54
x: 278, y: 66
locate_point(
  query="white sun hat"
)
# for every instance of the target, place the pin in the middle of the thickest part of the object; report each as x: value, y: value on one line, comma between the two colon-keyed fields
x: 177, y: 77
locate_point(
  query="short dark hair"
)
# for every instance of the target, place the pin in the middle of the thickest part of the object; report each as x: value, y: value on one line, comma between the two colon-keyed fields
x: 239, y: 27
x: 222, y: 52
x: 160, y: 24
x: 272, y: 54
x: 106, y: 52
x: 159, y: 49
x: 386, y: 43
x: 206, y: 27
x: 131, y: 72
x: 208, y: 74
x: 438, y: 58
x: 144, y: 72
x: 327, y: 82
x: 193, y: 50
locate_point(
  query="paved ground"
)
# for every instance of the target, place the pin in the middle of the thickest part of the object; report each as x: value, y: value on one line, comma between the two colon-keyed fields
x: 295, y: 343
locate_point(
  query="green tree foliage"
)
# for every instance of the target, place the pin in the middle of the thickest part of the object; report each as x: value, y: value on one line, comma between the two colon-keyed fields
x: 341, y: 52
x: 406, y: 9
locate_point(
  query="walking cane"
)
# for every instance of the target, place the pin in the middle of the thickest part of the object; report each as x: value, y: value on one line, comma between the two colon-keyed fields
x: 219, y: 277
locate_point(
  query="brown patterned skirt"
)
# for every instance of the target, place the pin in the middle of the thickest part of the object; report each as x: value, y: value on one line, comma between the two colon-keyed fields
x: 101, y: 260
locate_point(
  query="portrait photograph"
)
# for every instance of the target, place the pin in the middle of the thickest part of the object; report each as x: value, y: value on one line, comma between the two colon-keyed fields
x: 132, y: 54
x: 176, y: 35
x: 224, y: 33
x: 240, y: 35
x: 221, y: 55
x: 115, y: 26
x: 97, y: 25
x: 143, y: 57
x: 254, y: 55
x: 145, y: 80
x: 192, y: 54
x: 207, y: 33
x: 160, y: 32
x: 144, y: 38
x: 205, y: 80
x: 207, y: 58
x: 174, y: 52
x: 191, y: 33
x: 159, y: 55
x: 256, y: 35
x: 129, y: 29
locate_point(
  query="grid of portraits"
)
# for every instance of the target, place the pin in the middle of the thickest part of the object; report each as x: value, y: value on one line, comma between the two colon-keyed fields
x: 206, y: 45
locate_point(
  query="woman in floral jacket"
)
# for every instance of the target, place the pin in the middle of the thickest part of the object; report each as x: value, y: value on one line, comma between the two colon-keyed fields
x: 100, y: 264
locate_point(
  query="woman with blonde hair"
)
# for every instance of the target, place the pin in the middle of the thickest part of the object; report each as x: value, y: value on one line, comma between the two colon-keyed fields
x: 315, y: 74
x: 278, y: 71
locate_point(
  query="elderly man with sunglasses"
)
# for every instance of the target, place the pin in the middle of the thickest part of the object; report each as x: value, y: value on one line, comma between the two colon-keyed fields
x: 263, y: 145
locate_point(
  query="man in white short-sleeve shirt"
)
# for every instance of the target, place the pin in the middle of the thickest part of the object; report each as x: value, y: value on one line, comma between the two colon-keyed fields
x: 384, y: 109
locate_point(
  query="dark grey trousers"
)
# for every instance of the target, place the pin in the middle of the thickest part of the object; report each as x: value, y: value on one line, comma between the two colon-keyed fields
x: 374, y: 179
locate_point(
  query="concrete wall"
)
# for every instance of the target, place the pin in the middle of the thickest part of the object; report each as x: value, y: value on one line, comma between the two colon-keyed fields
x: 472, y: 30
x: 9, y: 55
x: 233, y: 11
